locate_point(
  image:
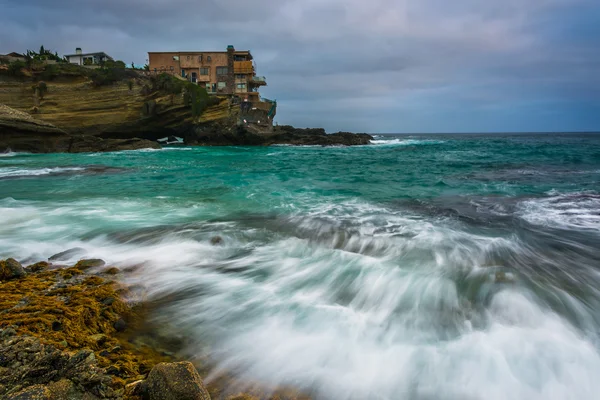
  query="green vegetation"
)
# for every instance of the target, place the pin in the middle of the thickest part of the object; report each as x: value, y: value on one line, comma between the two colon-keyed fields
x: 43, y: 55
x: 16, y: 69
x: 110, y: 73
x: 194, y: 96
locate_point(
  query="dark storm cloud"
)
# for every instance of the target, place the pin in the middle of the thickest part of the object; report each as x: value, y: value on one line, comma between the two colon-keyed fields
x: 381, y: 65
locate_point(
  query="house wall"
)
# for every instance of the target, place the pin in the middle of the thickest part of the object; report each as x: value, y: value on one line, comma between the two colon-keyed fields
x: 175, y: 62
x: 162, y: 62
x: 77, y: 59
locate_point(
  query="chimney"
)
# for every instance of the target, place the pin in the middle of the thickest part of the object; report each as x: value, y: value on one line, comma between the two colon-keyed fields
x: 78, y: 50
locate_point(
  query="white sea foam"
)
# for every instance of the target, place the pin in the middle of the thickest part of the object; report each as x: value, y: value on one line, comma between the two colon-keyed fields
x: 404, y: 142
x: 20, y: 172
x: 347, y: 299
x: 579, y: 210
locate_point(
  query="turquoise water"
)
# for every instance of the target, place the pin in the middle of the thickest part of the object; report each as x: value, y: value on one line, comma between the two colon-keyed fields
x: 419, y: 267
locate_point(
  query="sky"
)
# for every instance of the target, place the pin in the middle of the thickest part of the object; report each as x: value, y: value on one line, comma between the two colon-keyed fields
x: 378, y: 66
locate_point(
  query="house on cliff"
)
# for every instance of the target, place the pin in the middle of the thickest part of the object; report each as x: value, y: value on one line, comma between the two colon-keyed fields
x: 92, y: 59
x: 12, y: 57
x: 228, y: 73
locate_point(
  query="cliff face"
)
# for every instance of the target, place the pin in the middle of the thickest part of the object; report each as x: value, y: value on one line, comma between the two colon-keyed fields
x: 75, y: 115
x: 19, y: 131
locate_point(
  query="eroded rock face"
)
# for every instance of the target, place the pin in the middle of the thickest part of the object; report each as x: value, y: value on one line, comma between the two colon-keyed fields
x: 20, y: 131
x: 174, y: 381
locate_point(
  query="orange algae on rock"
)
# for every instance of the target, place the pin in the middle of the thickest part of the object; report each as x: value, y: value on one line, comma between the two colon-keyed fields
x: 73, y: 311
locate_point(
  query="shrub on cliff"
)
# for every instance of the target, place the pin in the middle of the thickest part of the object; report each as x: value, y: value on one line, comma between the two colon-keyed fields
x: 16, y: 69
x: 107, y: 76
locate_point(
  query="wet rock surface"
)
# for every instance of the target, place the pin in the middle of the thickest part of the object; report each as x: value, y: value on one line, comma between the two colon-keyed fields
x: 174, y: 381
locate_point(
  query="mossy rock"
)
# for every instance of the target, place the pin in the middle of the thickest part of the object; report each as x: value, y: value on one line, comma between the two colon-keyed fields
x: 87, y: 264
x: 11, y: 269
x: 175, y: 381
x: 38, y: 267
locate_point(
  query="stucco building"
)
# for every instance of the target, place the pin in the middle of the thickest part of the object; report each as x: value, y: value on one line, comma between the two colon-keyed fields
x: 230, y: 72
x: 81, y: 58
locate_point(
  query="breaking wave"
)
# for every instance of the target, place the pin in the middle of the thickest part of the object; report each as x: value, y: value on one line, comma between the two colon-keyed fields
x: 404, y: 142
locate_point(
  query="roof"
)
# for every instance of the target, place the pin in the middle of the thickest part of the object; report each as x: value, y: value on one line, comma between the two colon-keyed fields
x: 101, y: 53
x: 13, y: 54
x: 198, y: 52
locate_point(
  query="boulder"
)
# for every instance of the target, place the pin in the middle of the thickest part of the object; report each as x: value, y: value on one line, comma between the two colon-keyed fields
x: 37, y: 267
x: 175, y: 381
x: 87, y: 264
x: 11, y: 269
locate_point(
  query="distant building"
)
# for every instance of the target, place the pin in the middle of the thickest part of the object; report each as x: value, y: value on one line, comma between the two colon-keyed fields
x: 11, y: 57
x: 229, y: 72
x: 81, y: 58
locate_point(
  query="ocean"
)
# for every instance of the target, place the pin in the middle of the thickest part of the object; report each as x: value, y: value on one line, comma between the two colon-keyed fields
x: 419, y: 267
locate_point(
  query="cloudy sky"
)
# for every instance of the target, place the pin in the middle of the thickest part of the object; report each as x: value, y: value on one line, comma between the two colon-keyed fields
x: 374, y: 65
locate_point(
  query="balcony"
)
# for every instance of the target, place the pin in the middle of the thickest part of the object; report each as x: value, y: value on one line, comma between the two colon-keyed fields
x: 258, y: 81
x: 243, y: 67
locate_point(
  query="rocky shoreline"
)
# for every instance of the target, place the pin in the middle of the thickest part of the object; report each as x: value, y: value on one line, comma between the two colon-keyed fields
x: 20, y: 131
x: 75, y: 332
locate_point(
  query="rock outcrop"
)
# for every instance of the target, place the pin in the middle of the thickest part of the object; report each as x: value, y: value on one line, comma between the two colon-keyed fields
x: 20, y: 131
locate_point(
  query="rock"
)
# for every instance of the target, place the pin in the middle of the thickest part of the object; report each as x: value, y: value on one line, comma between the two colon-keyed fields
x: 44, y: 372
x: 36, y: 392
x: 57, y: 326
x: 87, y: 264
x: 11, y: 269
x: 99, y: 339
x: 175, y: 381
x: 108, y: 301
x: 112, y: 271
x: 136, y: 388
x: 215, y: 240
x: 503, y: 277
x: 38, y: 267
x: 120, y: 325
x: 67, y: 254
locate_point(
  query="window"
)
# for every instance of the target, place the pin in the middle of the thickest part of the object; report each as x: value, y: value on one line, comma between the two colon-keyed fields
x: 200, y: 58
x: 172, y: 68
x: 209, y: 58
x: 188, y: 58
x: 175, y: 58
x: 241, y: 86
x: 204, y: 71
x: 221, y: 70
x: 221, y: 85
x: 240, y: 76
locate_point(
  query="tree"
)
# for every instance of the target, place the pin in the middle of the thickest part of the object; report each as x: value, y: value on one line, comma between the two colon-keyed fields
x: 42, y: 89
x: 42, y: 50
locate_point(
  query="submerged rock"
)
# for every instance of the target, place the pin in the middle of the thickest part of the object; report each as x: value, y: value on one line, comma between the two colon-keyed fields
x: 216, y: 240
x: 11, y: 269
x: 67, y: 254
x: 174, y: 381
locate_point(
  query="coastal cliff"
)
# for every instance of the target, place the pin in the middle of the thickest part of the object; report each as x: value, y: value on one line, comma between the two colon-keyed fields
x: 74, y: 114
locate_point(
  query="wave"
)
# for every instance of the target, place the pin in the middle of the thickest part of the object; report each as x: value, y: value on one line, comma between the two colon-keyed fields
x: 405, y: 142
x: 12, y: 154
x: 12, y: 172
x: 575, y: 211
x: 346, y: 299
